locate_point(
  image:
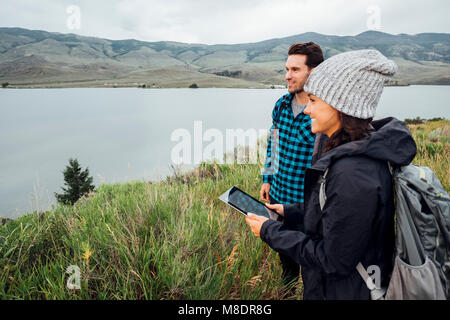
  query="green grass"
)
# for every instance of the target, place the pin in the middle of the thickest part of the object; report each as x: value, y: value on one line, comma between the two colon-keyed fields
x: 433, y: 148
x: 167, y: 240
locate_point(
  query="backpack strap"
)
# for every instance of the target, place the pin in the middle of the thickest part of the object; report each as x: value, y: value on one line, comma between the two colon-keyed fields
x: 375, y: 293
x: 367, y: 279
x: 322, y: 194
x: 391, y: 168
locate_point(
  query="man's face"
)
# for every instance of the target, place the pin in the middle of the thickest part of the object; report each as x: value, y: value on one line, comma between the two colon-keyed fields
x: 297, y: 72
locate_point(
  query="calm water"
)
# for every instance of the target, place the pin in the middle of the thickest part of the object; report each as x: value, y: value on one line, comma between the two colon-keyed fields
x: 124, y: 134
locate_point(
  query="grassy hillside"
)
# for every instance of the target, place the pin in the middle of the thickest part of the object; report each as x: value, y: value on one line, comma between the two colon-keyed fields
x: 433, y: 148
x: 34, y: 58
x: 140, y: 240
x: 168, y: 240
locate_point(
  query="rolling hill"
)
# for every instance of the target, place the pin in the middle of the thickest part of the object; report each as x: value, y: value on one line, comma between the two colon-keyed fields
x: 34, y: 58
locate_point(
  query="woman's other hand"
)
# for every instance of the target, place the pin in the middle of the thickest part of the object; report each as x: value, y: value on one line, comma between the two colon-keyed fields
x: 278, y: 208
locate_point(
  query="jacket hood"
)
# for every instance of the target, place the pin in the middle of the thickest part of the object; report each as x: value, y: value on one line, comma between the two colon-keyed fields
x: 390, y: 141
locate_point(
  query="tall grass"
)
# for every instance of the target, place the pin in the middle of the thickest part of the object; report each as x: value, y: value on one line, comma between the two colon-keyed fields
x: 433, y: 148
x: 167, y: 240
x: 140, y: 240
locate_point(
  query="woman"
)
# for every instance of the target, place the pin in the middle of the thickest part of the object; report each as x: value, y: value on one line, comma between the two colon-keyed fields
x: 356, y: 221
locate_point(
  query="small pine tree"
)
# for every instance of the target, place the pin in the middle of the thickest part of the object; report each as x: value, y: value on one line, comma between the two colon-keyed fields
x: 77, y: 181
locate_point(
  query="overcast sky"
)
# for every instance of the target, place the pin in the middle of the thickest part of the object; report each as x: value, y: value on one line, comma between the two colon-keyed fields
x: 228, y: 21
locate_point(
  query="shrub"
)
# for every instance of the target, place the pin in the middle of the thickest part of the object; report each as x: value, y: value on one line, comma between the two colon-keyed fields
x: 435, y: 119
x: 416, y: 120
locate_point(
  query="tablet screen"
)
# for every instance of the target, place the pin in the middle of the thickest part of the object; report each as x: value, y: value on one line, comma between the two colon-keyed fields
x: 246, y: 203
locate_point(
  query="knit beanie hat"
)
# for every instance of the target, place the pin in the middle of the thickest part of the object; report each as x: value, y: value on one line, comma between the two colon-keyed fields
x: 352, y: 82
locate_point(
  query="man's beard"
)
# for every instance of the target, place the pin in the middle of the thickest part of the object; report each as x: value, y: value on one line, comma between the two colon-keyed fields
x: 298, y: 91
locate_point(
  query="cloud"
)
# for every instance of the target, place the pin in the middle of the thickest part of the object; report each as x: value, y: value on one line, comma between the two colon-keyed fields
x: 231, y: 21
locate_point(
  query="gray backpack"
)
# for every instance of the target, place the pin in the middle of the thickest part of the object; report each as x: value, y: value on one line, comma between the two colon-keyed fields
x: 422, y: 241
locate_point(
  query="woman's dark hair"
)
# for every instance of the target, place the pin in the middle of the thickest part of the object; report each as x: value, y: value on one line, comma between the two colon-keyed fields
x: 351, y: 129
x: 311, y: 50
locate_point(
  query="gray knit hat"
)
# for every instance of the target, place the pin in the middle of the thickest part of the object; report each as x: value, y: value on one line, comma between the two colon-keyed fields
x: 352, y: 82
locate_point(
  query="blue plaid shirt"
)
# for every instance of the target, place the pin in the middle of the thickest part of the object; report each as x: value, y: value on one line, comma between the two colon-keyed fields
x: 295, y: 148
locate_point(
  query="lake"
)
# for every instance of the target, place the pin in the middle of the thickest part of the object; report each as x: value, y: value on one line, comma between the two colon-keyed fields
x: 125, y: 134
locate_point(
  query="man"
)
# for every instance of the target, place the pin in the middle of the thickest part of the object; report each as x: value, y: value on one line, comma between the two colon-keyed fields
x: 292, y: 140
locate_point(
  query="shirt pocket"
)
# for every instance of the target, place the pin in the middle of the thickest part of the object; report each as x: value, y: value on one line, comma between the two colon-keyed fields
x: 303, y: 135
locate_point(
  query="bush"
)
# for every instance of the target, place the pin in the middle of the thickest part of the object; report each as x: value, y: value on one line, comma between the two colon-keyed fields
x: 419, y: 120
x: 193, y: 86
x: 436, y: 119
x: 5, y: 84
x: 416, y: 120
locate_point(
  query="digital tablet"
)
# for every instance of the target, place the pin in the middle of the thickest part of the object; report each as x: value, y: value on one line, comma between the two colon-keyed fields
x: 245, y: 203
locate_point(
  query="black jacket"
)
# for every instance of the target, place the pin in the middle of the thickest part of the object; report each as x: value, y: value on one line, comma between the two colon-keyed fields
x: 357, y: 221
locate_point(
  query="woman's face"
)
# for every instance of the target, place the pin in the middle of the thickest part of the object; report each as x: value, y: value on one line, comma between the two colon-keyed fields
x: 324, y: 118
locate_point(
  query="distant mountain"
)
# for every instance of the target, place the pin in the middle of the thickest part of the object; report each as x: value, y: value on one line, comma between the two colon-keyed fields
x: 40, y: 58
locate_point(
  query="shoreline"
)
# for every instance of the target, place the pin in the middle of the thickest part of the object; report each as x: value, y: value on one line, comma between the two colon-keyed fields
x: 262, y: 86
x: 79, y: 85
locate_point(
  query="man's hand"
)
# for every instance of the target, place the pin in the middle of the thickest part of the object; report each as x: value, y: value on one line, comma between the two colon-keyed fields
x: 255, y: 222
x: 264, y: 192
x: 278, y: 208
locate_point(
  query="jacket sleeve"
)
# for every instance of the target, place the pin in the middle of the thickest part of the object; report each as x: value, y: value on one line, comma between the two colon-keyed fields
x: 347, y: 216
x: 268, y: 171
